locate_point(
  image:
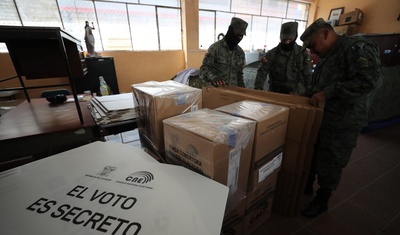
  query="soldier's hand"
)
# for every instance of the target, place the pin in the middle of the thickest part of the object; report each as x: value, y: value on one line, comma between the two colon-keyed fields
x: 218, y: 82
x: 318, y: 99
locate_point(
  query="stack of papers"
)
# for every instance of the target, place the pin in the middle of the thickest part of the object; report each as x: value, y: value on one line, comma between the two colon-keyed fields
x: 113, y: 108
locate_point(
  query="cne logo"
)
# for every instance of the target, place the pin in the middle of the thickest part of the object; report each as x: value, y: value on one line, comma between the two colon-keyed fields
x: 260, y: 212
x: 106, y: 171
x: 140, y: 177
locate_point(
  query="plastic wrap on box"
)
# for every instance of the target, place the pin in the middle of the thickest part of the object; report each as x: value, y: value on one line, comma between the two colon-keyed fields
x: 160, y: 100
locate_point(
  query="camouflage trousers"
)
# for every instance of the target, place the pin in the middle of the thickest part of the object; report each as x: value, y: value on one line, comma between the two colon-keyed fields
x: 331, y: 154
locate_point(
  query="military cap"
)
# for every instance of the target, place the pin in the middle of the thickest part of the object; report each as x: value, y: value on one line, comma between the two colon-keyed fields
x: 306, y: 36
x: 239, y: 25
x: 289, y: 30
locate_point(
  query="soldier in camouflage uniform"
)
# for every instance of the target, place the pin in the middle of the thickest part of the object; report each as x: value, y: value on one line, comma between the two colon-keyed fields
x: 224, y: 60
x: 288, y: 67
x: 347, y: 74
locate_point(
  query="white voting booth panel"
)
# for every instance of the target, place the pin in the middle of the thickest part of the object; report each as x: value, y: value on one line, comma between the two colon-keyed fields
x: 109, y: 188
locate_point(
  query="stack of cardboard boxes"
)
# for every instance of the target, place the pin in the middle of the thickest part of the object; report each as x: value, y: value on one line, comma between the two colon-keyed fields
x: 349, y: 22
x: 258, y: 143
x: 301, y: 134
x: 266, y: 159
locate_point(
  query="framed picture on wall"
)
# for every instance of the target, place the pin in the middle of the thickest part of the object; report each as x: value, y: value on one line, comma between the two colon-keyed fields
x: 335, y: 13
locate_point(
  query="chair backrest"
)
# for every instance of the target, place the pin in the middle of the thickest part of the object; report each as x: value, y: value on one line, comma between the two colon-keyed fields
x: 55, y: 92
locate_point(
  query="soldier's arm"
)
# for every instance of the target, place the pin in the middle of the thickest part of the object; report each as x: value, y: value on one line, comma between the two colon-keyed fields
x: 240, y: 81
x: 263, y: 72
x: 206, y: 69
x: 364, y: 70
x: 306, y: 74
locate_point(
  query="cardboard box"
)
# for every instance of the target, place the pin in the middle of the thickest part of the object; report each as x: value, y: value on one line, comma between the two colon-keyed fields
x: 214, y: 144
x: 301, y: 116
x: 269, y: 135
x: 353, y: 17
x: 160, y: 100
x: 236, y: 213
x: 233, y: 228
x: 258, y: 214
x: 347, y: 29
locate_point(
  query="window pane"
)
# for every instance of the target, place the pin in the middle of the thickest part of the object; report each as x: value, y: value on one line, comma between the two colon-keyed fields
x: 222, y: 22
x: 206, y: 29
x: 259, y: 32
x: 245, y: 43
x: 143, y: 24
x: 167, y: 3
x: 275, y: 8
x: 113, y: 26
x: 123, y: 1
x: 170, y: 29
x: 298, y: 11
x: 216, y: 5
x: 9, y: 15
x: 300, y: 31
x: 74, y: 15
x: 40, y: 13
x: 273, y: 32
x: 246, y: 6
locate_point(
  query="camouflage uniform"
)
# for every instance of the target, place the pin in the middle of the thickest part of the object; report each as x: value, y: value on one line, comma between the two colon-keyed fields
x: 347, y: 74
x: 289, y: 71
x: 222, y: 63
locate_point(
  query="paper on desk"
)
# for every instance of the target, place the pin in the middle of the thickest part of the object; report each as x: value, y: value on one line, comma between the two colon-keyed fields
x: 97, y: 189
x: 116, y: 102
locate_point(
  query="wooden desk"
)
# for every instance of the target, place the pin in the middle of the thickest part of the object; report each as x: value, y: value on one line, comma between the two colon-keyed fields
x: 40, y: 129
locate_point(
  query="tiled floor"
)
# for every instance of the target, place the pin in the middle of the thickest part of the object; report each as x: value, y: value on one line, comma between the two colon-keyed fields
x: 367, y: 200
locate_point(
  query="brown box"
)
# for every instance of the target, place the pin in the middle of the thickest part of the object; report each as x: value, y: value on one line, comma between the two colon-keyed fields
x: 301, y: 116
x: 160, y: 100
x: 349, y: 29
x: 258, y: 213
x: 234, y: 227
x: 353, y: 17
x: 235, y: 213
x: 269, y: 136
x: 214, y: 144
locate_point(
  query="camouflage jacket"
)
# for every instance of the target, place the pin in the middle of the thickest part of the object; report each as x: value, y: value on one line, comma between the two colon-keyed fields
x: 220, y: 63
x: 348, y: 74
x: 290, y: 71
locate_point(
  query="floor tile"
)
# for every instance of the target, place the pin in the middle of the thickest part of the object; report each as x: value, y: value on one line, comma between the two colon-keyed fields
x: 388, y: 187
x: 281, y: 225
x: 359, y: 219
x: 392, y: 228
x: 366, y: 169
x: 328, y: 224
x: 375, y: 205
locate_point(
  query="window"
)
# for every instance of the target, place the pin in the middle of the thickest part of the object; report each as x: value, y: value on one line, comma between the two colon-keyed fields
x: 264, y: 17
x: 139, y: 25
